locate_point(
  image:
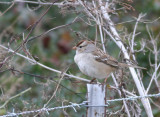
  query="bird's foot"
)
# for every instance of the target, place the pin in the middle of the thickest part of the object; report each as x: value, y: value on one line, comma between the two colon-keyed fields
x: 93, y: 81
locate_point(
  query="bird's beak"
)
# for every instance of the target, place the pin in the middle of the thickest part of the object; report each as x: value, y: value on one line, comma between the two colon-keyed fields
x: 74, y: 48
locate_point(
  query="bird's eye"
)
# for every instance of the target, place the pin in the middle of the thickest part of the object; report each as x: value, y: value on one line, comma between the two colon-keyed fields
x: 80, y: 46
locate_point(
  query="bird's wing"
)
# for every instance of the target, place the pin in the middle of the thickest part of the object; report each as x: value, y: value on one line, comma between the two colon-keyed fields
x: 100, y: 56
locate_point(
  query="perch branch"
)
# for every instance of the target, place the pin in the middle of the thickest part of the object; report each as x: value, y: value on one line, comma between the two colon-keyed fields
x: 44, y: 66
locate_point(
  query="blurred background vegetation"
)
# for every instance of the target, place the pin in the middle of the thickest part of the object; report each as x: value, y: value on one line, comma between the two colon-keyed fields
x: 54, y: 50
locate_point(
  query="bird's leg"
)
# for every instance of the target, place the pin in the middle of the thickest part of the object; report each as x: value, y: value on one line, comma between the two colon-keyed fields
x: 105, y: 80
x: 93, y: 81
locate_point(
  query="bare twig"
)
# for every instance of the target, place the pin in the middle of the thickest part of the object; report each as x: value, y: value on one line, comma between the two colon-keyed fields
x: 17, y: 95
x: 49, y: 78
x: 54, y: 93
x: 7, y: 9
x: 38, y: 3
x: 134, y: 31
x: 62, y: 26
x: 99, y: 25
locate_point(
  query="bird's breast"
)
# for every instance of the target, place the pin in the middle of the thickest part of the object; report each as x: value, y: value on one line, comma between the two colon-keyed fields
x: 90, y: 67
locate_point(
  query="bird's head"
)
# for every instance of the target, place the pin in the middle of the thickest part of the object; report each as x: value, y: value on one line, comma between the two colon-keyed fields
x: 84, y: 46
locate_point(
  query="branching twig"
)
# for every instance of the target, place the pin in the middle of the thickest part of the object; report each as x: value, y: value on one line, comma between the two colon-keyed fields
x: 62, y: 26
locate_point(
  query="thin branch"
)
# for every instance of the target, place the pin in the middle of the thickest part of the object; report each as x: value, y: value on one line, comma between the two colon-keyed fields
x: 62, y: 26
x: 11, y: 98
x: 153, y: 77
x: 46, y: 78
x: 54, y: 93
x: 134, y: 31
x: 87, y: 11
x: 150, y: 22
x: 44, y: 66
x: 7, y: 9
x: 38, y: 3
x: 100, y: 26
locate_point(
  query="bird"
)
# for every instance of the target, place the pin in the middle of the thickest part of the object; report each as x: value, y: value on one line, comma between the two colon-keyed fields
x: 94, y: 62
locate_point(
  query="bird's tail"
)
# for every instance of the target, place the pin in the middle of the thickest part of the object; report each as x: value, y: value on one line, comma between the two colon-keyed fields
x: 123, y: 65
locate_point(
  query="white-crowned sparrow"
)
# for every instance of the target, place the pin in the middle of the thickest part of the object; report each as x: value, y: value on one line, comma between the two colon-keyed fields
x: 93, y: 62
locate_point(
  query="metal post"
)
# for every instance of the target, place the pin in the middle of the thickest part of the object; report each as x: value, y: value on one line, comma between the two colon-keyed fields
x: 96, y: 97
